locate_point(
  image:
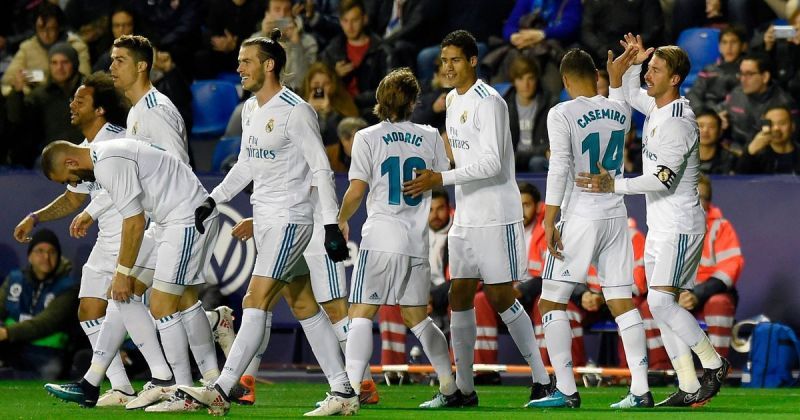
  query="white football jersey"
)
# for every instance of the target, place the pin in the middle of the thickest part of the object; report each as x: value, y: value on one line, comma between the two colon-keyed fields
x: 385, y: 156
x: 484, y: 178
x: 282, y: 153
x: 109, y: 221
x: 670, y: 152
x: 156, y: 120
x: 584, y: 132
x: 140, y: 176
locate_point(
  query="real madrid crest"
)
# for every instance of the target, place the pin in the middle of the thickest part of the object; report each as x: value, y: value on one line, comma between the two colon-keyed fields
x: 464, y: 117
x: 270, y: 125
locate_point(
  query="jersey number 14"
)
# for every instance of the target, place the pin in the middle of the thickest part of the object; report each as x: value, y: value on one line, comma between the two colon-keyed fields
x: 391, y: 166
x: 612, y: 158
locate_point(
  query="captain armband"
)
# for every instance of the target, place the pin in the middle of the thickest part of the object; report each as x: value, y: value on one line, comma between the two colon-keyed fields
x: 665, y: 175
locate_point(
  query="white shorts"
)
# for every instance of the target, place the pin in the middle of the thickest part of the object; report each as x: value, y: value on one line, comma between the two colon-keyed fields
x: 146, y: 260
x: 384, y: 278
x: 97, y: 273
x: 328, y: 279
x: 279, y: 248
x: 671, y: 259
x: 606, y: 244
x: 494, y: 254
x: 183, y: 253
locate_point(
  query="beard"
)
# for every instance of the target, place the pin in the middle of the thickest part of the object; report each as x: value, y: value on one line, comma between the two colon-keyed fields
x: 84, y: 175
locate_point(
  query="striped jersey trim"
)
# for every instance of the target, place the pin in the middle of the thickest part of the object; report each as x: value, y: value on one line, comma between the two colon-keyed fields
x: 679, y: 260
x: 289, y: 97
x: 362, y: 263
x: 512, y: 251
x: 333, y: 277
x: 186, y: 254
x: 285, y: 251
x: 481, y: 91
x: 114, y: 128
x: 677, y: 109
x: 150, y: 100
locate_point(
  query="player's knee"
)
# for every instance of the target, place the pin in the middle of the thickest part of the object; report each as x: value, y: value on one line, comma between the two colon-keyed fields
x: 91, y: 308
x: 500, y: 296
x: 461, y: 296
x: 413, y: 315
x: 555, y: 296
x: 335, y: 309
x: 661, y: 303
x: 304, y: 308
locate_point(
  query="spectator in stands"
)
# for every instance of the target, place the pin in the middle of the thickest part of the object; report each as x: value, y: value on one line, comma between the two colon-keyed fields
x: 357, y: 56
x: 542, y: 29
x: 528, y: 103
x: 324, y: 92
x: 32, y: 59
x: 320, y: 18
x: 339, y: 153
x: 605, y: 21
x: 714, y: 298
x: 773, y: 149
x: 301, y: 48
x: 122, y: 23
x: 431, y: 108
x: 172, y: 26
x: 43, y: 115
x: 89, y: 19
x: 404, y: 26
x: 37, y: 304
x: 717, y: 80
x: 715, y: 158
x: 784, y: 53
x: 228, y: 23
x: 174, y: 83
x: 749, y: 101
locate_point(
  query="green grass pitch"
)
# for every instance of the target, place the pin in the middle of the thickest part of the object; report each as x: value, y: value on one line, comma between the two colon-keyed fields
x: 28, y: 400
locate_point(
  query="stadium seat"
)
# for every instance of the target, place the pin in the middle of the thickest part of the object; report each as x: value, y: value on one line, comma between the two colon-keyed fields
x: 702, y: 45
x: 502, y: 88
x: 230, y: 76
x: 225, y: 153
x: 213, y: 102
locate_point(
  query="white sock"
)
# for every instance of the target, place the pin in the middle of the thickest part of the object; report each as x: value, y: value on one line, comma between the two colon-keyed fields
x: 116, y: 370
x: 463, y: 334
x: 322, y: 339
x: 201, y: 342
x: 105, y: 347
x: 142, y: 329
x: 558, y: 335
x: 708, y: 356
x: 687, y: 376
x: 358, y: 353
x: 434, y: 344
x: 176, y: 347
x: 631, y: 330
x: 245, y: 346
x: 340, y: 328
x: 255, y: 363
x: 520, y: 328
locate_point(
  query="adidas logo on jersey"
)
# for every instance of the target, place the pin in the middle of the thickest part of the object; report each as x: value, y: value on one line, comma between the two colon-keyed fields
x: 565, y: 273
x: 374, y: 296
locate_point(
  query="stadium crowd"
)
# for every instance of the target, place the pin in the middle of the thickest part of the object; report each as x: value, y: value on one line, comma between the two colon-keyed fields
x: 338, y: 50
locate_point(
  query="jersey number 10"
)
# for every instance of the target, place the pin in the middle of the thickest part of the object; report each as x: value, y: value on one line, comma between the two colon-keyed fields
x: 391, y: 166
x: 612, y: 158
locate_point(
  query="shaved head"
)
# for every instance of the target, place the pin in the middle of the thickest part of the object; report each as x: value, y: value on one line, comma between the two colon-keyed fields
x: 61, y: 162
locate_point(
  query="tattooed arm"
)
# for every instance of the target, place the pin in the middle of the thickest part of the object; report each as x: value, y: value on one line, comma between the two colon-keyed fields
x: 63, y: 206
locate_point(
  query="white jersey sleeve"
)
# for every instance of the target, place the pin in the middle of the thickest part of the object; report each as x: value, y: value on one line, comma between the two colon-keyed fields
x: 491, y: 119
x: 360, y: 159
x: 119, y: 177
x: 558, y: 174
x: 634, y: 94
x: 302, y: 129
x: 100, y: 204
x: 441, y: 162
x: 239, y: 175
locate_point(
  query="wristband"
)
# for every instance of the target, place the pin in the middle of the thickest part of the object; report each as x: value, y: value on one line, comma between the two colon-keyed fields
x: 125, y: 271
x: 35, y: 218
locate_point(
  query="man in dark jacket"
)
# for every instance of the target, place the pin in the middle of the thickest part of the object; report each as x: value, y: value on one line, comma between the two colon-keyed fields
x: 773, y: 150
x: 717, y: 80
x: 528, y: 104
x: 357, y: 56
x: 43, y: 116
x: 404, y: 25
x: 36, y: 305
x: 752, y: 98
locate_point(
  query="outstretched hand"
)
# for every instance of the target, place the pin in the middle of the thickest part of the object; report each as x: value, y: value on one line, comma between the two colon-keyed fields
x: 617, y: 67
x: 642, y: 53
